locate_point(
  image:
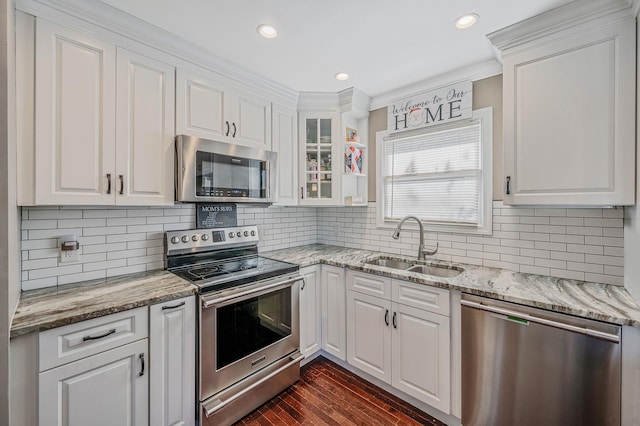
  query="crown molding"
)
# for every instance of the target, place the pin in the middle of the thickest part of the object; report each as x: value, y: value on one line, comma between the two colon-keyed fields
x: 635, y: 7
x: 351, y: 101
x: 474, y: 72
x: 574, y: 14
x: 115, y: 21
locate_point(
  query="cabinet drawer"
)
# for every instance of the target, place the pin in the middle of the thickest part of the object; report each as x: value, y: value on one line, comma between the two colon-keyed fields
x: 75, y: 341
x: 369, y: 284
x: 421, y: 296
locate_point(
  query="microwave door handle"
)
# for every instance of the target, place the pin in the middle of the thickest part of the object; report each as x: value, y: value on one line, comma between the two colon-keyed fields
x: 267, y: 180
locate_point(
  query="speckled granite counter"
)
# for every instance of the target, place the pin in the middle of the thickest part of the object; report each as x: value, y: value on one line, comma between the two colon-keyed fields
x: 44, y: 309
x: 589, y: 300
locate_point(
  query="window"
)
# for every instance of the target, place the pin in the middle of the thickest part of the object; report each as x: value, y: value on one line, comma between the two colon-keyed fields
x: 442, y: 174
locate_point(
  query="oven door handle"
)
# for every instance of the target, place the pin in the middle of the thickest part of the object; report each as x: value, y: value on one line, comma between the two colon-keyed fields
x: 217, y: 404
x: 209, y: 302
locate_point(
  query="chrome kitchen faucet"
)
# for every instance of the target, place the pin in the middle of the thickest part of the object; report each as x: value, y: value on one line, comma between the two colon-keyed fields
x: 422, y: 253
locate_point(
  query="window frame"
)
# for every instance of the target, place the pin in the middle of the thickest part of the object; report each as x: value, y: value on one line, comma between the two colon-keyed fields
x: 485, y: 117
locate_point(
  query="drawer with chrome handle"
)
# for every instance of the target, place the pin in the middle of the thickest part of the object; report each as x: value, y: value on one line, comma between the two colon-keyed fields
x: 75, y: 341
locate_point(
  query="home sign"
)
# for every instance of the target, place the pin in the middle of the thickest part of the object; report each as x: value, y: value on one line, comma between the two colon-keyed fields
x: 438, y: 106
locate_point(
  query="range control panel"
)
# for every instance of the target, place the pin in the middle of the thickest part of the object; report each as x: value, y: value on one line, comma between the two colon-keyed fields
x: 205, y: 238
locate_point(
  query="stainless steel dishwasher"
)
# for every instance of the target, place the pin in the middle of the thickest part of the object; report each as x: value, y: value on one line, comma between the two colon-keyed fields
x: 523, y: 366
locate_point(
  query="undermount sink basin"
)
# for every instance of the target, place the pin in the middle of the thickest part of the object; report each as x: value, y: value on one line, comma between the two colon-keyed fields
x: 390, y: 263
x: 436, y: 271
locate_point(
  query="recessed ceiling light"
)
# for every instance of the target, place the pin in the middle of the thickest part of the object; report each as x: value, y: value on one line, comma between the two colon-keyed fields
x: 342, y: 76
x: 267, y: 31
x: 466, y: 21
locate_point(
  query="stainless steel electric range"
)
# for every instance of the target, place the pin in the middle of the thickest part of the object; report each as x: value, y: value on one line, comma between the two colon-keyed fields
x: 249, y: 336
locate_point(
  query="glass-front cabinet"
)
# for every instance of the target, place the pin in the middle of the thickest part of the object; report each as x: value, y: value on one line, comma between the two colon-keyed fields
x: 320, y: 175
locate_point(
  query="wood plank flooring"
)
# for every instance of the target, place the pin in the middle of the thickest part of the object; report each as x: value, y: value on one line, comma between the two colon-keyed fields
x: 327, y: 394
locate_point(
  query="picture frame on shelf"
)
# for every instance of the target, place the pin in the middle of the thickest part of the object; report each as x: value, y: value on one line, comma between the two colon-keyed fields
x: 352, y: 135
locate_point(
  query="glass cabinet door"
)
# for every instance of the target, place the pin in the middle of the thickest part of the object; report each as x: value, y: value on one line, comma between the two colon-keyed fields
x: 318, y: 162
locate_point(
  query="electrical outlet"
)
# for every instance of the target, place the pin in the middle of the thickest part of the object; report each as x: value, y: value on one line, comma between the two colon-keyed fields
x: 69, y: 256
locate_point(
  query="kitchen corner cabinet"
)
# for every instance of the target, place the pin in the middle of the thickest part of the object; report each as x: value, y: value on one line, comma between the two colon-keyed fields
x: 95, y: 371
x: 569, y: 113
x: 399, y: 332
x: 333, y: 293
x: 172, y: 372
x: 285, y: 143
x: 209, y: 108
x: 310, y: 311
x: 103, y: 119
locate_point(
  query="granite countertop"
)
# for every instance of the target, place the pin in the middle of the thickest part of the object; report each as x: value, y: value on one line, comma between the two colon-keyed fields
x: 601, y: 302
x: 40, y: 310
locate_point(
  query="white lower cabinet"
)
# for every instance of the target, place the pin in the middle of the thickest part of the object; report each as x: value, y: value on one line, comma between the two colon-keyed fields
x: 172, y: 339
x: 399, y: 344
x: 333, y: 291
x: 310, y: 315
x: 107, y: 389
x: 95, y: 372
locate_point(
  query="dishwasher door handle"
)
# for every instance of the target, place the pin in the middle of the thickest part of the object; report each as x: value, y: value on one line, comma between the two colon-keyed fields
x: 522, y: 316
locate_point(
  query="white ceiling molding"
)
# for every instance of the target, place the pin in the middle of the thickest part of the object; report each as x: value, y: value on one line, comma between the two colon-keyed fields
x: 350, y: 100
x: 122, y: 24
x: 576, y: 13
x: 635, y: 7
x: 474, y: 72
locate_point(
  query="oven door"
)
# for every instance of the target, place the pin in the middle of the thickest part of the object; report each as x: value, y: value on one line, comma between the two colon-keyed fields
x: 245, y: 329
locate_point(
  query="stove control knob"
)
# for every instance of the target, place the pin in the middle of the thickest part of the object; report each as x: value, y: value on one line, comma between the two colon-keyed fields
x: 253, y: 233
x: 175, y: 240
x: 239, y: 234
x: 246, y: 233
x: 204, y: 237
x: 185, y: 239
x: 195, y: 238
x: 231, y: 235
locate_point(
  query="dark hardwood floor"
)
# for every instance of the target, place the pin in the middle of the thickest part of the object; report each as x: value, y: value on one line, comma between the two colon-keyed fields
x: 327, y: 394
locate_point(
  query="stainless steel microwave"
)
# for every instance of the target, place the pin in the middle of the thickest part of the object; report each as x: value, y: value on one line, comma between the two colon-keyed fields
x: 212, y: 171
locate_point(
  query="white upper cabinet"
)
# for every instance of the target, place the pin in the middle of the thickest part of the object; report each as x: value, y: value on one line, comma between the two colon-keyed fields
x: 75, y: 117
x: 144, y: 130
x: 88, y: 95
x: 211, y: 109
x: 569, y: 111
x: 284, y: 131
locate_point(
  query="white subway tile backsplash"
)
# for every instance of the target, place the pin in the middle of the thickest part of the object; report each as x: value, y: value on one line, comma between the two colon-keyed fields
x: 568, y: 243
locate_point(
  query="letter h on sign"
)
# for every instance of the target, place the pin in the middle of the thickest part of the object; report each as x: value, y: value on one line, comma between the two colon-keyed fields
x: 401, y: 121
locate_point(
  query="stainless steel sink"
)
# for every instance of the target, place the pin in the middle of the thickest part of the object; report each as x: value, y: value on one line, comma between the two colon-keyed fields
x: 436, y: 271
x: 389, y: 263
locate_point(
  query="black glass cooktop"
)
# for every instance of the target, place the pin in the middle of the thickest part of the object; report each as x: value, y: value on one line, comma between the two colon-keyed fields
x: 232, y: 271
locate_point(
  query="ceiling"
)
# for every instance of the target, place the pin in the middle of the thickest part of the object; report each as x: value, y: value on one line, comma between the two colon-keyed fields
x: 383, y: 45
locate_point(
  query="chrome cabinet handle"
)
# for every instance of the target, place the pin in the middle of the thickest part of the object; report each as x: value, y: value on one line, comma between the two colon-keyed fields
x: 395, y: 323
x: 386, y: 317
x: 121, y: 177
x: 108, y: 183
x: 234, y: 130
x: 508, y: 191
x: 141, y: 373
x: 165, y: 307
x: 108, y: 333
x: 227, y: 132
x: 302, y: 192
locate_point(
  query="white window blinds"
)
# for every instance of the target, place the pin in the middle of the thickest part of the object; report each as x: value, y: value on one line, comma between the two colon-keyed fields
x: 436, y: 176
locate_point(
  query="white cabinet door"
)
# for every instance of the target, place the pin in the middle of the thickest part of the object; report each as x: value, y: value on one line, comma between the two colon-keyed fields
x: 333, y: 290
x: 172, y: 345
x: 421, y: 351
x: 74, y: 116
x: 202, y: 105
x: 145, y: 130
x: 250, y: 120
x: 569, y: 119
x: 369, y: 334
x: 310, y: 314
x: 285, y: 131
x: 107, y: 389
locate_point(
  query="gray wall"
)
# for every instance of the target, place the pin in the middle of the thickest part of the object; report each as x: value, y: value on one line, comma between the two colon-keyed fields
x: 486, y: 93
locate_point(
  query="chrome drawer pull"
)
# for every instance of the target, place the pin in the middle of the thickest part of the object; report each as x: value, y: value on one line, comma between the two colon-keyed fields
x: 86, y: 338
x: 174, y: 306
